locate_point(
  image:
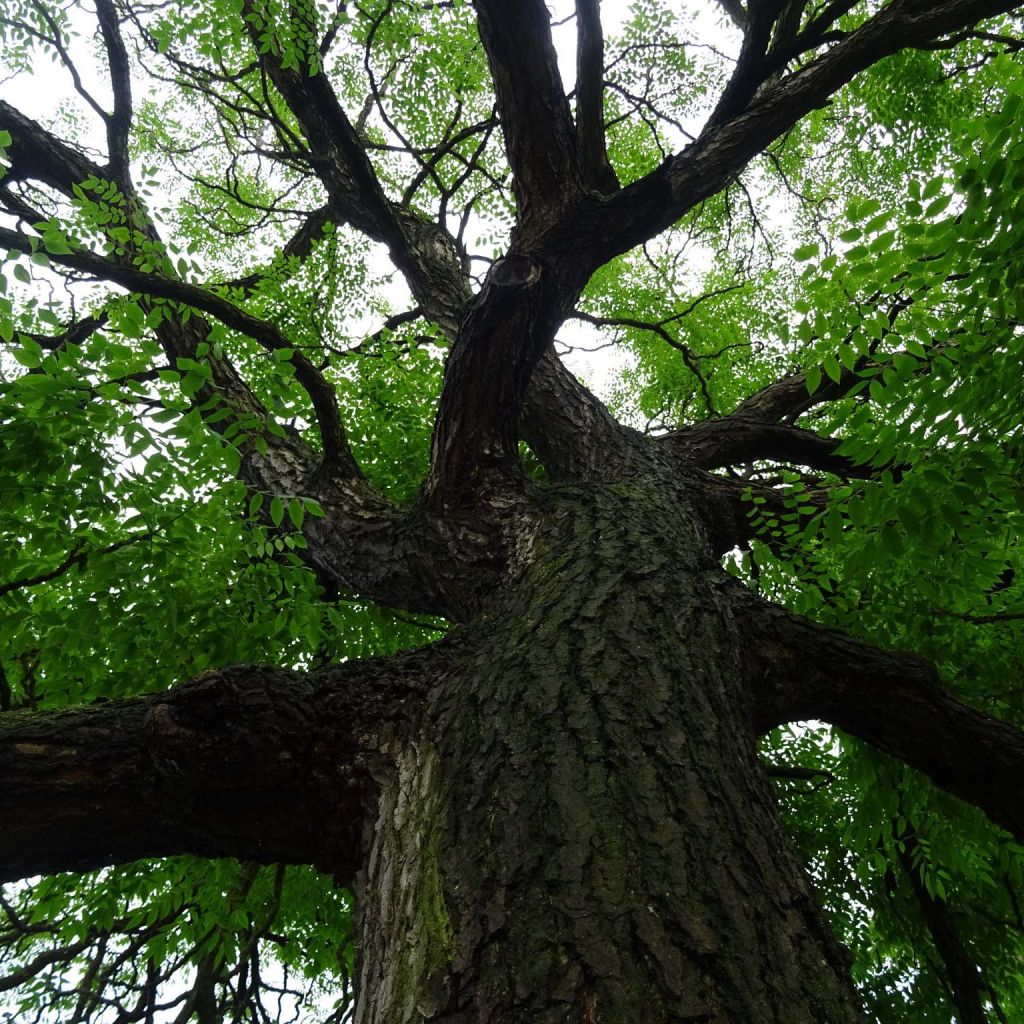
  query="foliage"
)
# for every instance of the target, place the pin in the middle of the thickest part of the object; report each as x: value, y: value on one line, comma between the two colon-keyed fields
x: 879, y: 246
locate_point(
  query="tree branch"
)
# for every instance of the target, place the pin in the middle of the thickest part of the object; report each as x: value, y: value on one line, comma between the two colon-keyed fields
x: 569, y: 429
x: 988, y: 619
x: 363, y: 543
x: 37, y: 154
x: 597, y: 171
x: 786, y: 399
x: 535, y: 116
x: 299, y: 246
x: 119, y: 122
x: 321, y: 394
x: 657, y: 328
x: 423, y: 251
x: 736, y: 11
x: 799, y: 670
x: 962, y: 974
x: 724, y: 148
x: 750, y: 71
x: 79, y: 555
x: 510, y: 325
x: 252, y: 762
x: 733, y: 440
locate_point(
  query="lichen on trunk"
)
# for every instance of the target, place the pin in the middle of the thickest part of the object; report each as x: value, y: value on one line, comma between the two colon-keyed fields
x: 582, y: 831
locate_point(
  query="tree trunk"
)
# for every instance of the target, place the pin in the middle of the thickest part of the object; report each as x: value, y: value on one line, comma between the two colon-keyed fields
x: 582, y: 831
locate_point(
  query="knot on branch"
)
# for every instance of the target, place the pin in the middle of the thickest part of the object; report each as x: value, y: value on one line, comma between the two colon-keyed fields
x: 515, y: 271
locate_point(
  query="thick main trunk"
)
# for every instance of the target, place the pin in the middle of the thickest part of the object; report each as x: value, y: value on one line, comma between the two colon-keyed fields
x: 582, y: 831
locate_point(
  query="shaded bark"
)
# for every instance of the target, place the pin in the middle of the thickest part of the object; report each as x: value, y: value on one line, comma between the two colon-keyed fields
x: 895, y: 702
x: 582, y: 831
x: 250, y: 762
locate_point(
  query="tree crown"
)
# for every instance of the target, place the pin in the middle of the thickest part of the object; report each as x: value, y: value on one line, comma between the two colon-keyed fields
x: 279, y: 274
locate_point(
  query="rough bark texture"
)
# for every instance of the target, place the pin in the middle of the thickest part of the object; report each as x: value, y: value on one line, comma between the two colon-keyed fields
x: 582, y: 831
x: 257, y: 763
x: 558, y: 814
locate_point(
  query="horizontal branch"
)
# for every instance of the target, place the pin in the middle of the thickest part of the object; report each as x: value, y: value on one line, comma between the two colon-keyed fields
x: 787, y: 398
x: 79, y: 555
x: 983, y: 620
x: 735, y: 440
x: 896, y: 702
x: 251, y: 762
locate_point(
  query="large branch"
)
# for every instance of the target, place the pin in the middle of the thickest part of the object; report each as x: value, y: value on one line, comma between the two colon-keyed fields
x: 250, y: 762
x: 363, y: 544
x: 734, y: 440
x: 593, y: 153
x: 787, y: 398
x: 508, y: 328
x: 38, y: 155
x: 569, y: 429
x: 539, y: 138
x: 724, y: 148
x: 896, y: 702
x: 423, y: 251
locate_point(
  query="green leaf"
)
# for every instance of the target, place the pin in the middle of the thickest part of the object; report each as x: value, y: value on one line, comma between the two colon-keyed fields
x: 832, y: 367
x: 276, y: 510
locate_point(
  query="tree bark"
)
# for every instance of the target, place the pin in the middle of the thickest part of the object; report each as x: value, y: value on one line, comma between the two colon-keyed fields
x: 582, y: 830
x: 557, y: 814
x: 251, y: 762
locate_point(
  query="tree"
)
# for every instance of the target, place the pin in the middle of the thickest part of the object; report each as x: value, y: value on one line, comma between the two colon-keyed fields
x: 519, y: 672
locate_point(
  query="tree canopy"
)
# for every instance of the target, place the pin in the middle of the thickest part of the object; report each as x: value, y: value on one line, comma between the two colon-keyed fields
x: 238, y: 255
